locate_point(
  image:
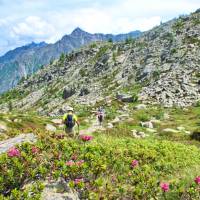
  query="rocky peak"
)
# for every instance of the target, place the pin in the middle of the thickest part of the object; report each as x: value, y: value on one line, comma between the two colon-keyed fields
x: 78, y: 32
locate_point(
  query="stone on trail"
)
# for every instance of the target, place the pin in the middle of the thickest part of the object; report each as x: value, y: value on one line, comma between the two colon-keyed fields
x: 7, y: 144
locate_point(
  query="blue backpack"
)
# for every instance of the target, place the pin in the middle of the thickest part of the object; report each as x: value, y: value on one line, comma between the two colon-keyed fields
x: 69, y: 121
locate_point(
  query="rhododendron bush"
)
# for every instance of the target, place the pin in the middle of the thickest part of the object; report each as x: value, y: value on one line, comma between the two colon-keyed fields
x: 104, y: 168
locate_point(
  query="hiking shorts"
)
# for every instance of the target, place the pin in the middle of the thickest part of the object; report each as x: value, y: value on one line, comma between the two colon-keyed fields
x: 69, y: 131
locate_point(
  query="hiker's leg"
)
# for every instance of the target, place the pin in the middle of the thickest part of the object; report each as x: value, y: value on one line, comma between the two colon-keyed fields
x: 69, y: 132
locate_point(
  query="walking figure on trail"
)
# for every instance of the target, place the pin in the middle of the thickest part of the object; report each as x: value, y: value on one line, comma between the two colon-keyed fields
x: 100, y: 115
x: 70, y: 120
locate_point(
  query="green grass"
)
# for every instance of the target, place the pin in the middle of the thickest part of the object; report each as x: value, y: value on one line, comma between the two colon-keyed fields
x: 106, y: 173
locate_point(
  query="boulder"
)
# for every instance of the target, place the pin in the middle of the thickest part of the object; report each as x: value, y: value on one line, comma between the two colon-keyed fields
x: 7, y: 144
x: 138, y: 134
x: 141, y: 134
x: 68, y: 92
x: 50, y: 127
x: 84, y: 91
x: 140, y: 107
x: 147, y: 124
x: 110, y: 125
x: 125, y: 98
x: 58, y: 190
x: 116, y: 120
x: 123, y: 117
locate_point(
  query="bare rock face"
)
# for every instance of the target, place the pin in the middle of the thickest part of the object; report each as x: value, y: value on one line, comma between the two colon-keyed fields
x: 7, y: 144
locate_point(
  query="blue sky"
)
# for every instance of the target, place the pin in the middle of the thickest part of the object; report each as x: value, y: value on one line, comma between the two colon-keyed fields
x: 24, y: 21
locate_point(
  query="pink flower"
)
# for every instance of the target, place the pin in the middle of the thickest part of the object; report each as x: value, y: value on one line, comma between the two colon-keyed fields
x: 70, y: 163
x: 13, y: 152
x: 34, y: 150
x: 77, y: 181
x: 197, y: 180
x: 164, y: 187
x: 134, y: 163
x: 79, y: 163
x: 86, y: 137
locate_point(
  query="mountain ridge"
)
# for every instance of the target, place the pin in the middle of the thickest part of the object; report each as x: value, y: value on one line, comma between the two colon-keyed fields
x: 27, y: 59
x: 163, y: 62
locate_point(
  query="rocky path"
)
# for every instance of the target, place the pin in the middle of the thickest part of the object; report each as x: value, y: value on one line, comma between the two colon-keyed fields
x: 94, y: 127
x: 7, y: 144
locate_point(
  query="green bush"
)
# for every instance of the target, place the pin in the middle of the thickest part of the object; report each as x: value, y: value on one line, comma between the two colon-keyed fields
x: 105, y: 171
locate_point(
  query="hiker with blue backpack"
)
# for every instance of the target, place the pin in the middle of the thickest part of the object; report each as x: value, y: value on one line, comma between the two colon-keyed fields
x: 70, y: 120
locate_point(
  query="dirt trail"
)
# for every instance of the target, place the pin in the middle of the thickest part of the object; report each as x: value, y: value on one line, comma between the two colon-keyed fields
x: 94, y: 127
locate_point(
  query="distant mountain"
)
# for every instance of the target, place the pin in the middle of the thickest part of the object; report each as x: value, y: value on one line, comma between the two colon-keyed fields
x: 162, y: 66
x: 26, y: 60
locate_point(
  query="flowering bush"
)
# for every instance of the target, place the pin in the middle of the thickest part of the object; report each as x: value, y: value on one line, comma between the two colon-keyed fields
x: 197, y: 180
x: 101, y: 169
x: 72, y: 163
x: 86, y: 137
x: 34, y: 150
x: 164, y: 187
x: 78, y: 180
x: 13, y: 152
x: 134, y: 163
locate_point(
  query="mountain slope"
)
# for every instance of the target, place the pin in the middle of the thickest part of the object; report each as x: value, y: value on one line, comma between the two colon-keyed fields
x: 26, y: 60
x: 164, y: 62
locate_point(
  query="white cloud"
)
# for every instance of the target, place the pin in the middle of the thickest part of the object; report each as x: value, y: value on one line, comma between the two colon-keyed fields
x: 34, y: 27
x: 24, y: 21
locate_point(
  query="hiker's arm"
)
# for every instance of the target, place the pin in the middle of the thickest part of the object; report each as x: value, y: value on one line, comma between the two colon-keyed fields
x: 78, y: 123
x: 63, y: 119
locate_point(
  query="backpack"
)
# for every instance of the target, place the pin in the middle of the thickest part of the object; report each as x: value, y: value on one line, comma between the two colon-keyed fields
x: 69, y: 122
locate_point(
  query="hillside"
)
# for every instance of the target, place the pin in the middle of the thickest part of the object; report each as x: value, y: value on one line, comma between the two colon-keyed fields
x: 148, y: 146
x: 162, y: 66
x: 23, y: 61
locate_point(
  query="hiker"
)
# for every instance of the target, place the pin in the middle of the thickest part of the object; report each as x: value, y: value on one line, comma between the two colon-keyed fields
x: 70, y: 120
x: 100, y: 115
